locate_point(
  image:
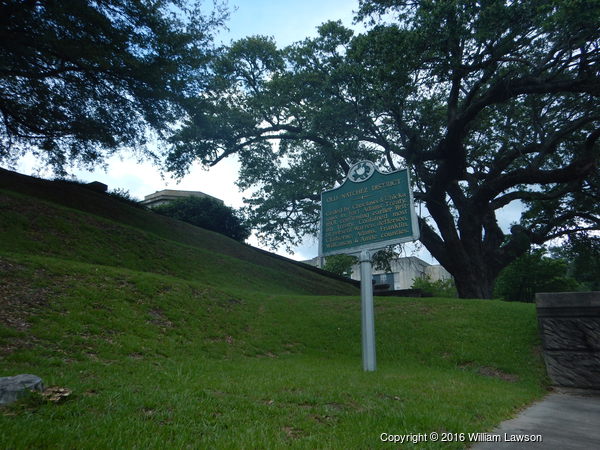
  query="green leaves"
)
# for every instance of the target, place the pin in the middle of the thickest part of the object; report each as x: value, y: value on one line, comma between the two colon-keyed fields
x: 340, y: 264
x: 533, y: 273
x: 80, y: 80
x: 207, y: 213
x: 249, y: 62
x: 488, y: 103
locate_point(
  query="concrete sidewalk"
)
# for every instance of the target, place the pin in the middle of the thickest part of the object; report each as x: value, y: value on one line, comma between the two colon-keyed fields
x: 565, y: 419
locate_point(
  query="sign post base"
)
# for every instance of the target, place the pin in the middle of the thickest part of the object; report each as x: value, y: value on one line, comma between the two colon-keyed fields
x: 368, y: 320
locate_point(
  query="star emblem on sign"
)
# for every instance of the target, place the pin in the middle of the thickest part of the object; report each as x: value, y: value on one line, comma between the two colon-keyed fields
x: 361, y: 171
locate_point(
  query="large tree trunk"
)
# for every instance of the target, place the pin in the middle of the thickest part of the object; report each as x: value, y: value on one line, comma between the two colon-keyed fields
x: 473, y: 270
x: 472, y: 283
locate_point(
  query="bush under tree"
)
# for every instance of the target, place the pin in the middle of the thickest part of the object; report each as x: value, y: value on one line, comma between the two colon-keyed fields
x: 207, y: 213
x: 437, y: 288
x: 340, y: 264
x: 582, y: 253
x: 532, y: 273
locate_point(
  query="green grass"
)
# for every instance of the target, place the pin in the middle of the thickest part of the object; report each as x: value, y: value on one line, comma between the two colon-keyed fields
x: 161, y: 350
x: 30, y: 226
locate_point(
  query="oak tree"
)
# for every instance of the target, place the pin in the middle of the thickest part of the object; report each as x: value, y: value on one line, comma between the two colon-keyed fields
x: 80, y: 79
x: 488, y: 103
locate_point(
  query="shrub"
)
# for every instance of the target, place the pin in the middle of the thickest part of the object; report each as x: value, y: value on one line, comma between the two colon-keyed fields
x: 124, y: 196
x: 533, y: 273
x: 207, y: 213
x: 438, y: 288
x: 340, y: 264
x: 582, y: 254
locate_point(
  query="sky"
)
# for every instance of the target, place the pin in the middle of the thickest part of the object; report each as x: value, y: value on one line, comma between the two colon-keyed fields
x: 286, y: 21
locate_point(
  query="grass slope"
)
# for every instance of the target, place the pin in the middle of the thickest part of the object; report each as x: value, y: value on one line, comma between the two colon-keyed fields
x: 160, y: 353
x: 68, y: 221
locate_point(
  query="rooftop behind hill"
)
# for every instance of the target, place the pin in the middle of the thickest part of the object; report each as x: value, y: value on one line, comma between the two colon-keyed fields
x: 168, y: 195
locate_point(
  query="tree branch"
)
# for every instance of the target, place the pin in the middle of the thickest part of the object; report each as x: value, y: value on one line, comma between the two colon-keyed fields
x: 579, y: 168
x: 530, y: 196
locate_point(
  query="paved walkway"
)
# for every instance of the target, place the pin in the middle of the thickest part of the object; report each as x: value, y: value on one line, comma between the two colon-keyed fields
x: 565, y: 420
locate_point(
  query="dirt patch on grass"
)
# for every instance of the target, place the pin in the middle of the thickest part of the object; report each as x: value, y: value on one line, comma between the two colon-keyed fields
x: 497, y: 373
x: 267, y: 355
x: 18, y: 299
x: 292, y: 432
x: 12, y: 344
x: 159, y: 318
x: 390, y: 397
x: 324, y: 419
x: 301, y: 405
x: 488, y: 371
x: 230, y: 303
x: 230, y: 340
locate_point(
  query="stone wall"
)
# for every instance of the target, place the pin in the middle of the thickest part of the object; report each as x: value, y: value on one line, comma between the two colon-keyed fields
x: 570, y: 327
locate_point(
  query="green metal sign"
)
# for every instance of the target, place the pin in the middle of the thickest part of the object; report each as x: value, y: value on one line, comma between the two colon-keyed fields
x: 369, y: 211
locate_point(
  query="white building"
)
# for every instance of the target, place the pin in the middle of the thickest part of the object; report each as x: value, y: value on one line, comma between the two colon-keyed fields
x: 168, y: 195
x: 404, y: 271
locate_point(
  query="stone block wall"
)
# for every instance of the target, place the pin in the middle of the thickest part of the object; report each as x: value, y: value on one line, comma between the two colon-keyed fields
x: 570, y: 327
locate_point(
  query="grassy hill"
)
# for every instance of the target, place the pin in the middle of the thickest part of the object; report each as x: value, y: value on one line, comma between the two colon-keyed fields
x: 70, y: 222
x: 173, y: 336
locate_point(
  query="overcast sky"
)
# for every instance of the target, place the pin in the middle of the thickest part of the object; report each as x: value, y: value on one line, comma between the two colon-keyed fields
x: 287, y: 22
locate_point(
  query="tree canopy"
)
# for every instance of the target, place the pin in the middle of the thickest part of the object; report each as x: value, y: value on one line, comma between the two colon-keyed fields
x: 207, y: 213
x: 486, y: 102
x: 80, y: 79
x: 582, y: 253
x: 340, y: 264
x: 532, y: 273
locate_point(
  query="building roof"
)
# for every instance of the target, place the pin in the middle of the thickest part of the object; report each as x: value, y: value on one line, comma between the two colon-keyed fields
x: 167, y: 195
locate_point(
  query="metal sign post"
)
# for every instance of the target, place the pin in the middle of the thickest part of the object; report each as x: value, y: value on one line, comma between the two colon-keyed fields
x: 368, y: 211
x: 368, y: 319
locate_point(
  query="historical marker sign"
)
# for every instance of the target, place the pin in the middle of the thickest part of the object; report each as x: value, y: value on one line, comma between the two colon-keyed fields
x: 370, y: 210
